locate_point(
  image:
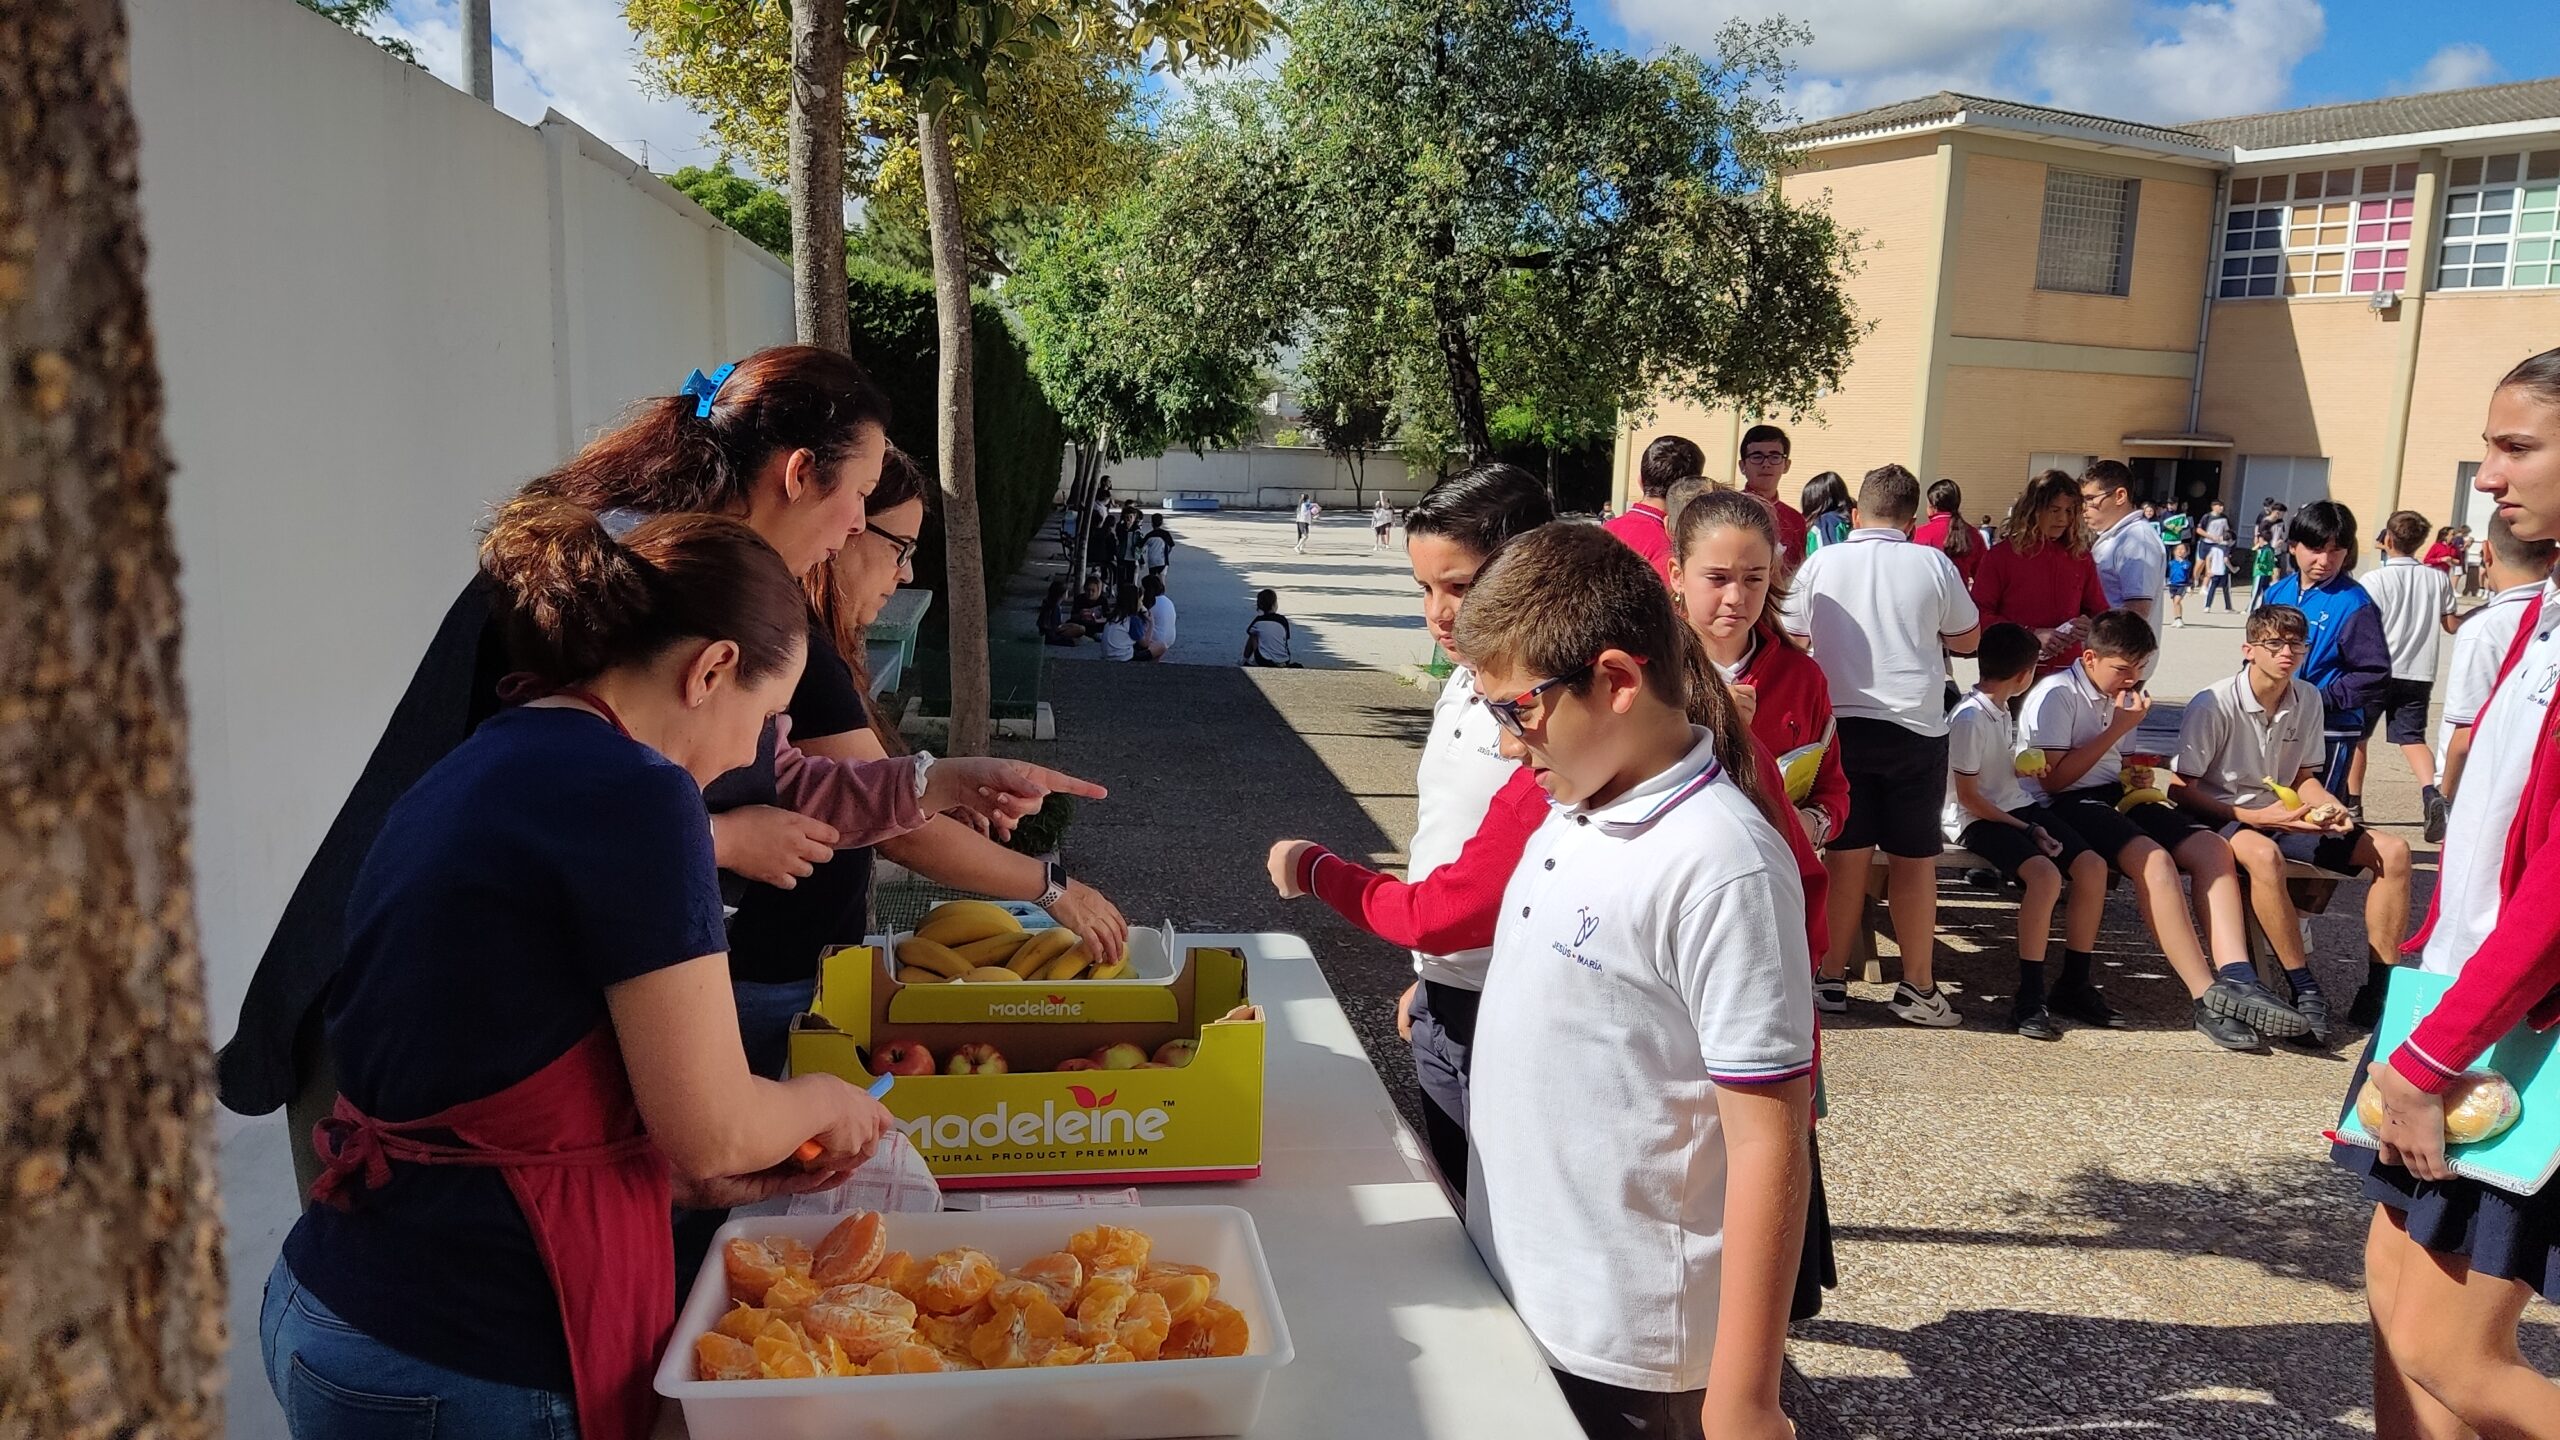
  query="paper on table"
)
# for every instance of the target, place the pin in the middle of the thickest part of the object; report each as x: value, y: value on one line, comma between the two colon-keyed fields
x: 1056, y: 1199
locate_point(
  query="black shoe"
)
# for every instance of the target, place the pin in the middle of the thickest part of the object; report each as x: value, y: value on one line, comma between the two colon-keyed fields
x: 2313, y: 1007
x: 2439, y: 810
x: 2083, y: 1003
x: 2037, y: 1024
x: 2255, y: 1006
x: 1981, y: 878
x: 2226, y: 1032
x: 2365, y: 1013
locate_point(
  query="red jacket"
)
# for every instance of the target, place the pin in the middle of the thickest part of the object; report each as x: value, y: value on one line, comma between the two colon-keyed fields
x: 1932, y: 532
x: 1648, y: 533
x: 2039, y: 591
x: 1793, y: 709
x: 2515, y: 974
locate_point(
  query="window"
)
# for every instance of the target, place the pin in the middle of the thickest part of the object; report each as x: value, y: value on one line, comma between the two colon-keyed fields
x: 2064, y: 461
x: 2297, y: 480
x: 2086, y: 245
x: 2320, y: 232
x: 2499, y: 221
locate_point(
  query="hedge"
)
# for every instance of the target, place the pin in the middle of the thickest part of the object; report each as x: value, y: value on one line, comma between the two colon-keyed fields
x: 1020, y: 438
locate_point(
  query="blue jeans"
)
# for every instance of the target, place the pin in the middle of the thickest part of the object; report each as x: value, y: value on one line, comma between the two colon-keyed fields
x: 338, y: 1383
x: 765, y: 1009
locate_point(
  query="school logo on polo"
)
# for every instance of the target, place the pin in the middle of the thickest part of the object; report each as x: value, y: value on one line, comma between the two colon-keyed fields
x: 1585, y: 925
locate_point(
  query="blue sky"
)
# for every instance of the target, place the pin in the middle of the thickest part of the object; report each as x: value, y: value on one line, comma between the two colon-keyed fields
x: 2181, y: 60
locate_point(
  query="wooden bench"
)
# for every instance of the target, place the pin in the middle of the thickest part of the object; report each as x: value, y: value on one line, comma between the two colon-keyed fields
x: 2311, y: 887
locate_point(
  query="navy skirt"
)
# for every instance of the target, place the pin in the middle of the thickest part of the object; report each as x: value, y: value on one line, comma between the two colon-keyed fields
x: 2510, y: 1236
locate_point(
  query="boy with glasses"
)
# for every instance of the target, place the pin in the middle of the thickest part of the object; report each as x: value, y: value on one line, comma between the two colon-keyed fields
x: 1766, y: 454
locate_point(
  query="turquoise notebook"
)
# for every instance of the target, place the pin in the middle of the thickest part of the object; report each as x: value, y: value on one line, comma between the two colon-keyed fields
x: 2520, y: 1161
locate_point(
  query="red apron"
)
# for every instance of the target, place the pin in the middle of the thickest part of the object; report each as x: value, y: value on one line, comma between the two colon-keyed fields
x: 594, y: 1191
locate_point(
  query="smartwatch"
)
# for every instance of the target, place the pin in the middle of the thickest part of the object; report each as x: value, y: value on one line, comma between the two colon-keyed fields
x: 1057, y: 890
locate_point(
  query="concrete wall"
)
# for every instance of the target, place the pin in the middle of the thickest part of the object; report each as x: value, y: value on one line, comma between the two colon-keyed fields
x: 2308, y: 377
x: 2470, y: 340
x: 1260, y: 477
x: 380, y: 306
x: 1994, y: 419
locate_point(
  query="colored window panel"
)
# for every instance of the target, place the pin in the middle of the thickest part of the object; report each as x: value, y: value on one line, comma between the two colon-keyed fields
x: 2465, y: 171
x: 2502, y: 169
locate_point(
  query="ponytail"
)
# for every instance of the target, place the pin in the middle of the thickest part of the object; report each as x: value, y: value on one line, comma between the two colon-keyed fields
x: 577, y: 602
x: 1947, y: 498
x: 1712, y: 705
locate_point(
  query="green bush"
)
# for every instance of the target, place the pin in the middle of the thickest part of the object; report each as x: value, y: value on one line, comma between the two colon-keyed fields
x: 1020, y: 439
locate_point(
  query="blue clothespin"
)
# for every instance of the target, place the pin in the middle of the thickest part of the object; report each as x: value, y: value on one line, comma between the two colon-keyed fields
x: 707, y: 388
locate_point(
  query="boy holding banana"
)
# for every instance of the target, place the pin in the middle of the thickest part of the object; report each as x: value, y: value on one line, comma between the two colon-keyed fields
x: 2250, y: 751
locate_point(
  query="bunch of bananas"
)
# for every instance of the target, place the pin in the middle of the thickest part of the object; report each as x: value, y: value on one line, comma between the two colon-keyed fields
x: 974, y: 941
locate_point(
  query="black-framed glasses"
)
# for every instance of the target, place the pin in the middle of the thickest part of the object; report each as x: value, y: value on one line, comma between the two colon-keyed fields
x: 1506, y: 713
x: 1764, y: 457
x: 2284, y: 647
x: 902, y: 546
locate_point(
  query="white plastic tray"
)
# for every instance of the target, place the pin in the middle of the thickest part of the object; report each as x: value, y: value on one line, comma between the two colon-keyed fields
x: 1146, y: 1401
x: 1154, y: 951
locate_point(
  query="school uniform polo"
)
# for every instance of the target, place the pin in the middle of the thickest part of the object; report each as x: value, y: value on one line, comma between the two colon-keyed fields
x: 1647, y: 531
x: 2064, y: 712
x: 1462, y: 768
x: 1878, y: 610
x: 1647, y: 951
x: 2229, y: 743
x: 1982, y: 745
x: 2413, y: 599
x: 2132, y: 563
x: 2478, y: 649
x: 2476, y: 843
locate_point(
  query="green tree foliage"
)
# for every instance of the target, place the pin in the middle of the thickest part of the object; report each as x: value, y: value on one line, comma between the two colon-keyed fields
x: 1346, y: 391
x: 756, y: 211
x: 1540, y: 229
x: 360, y: 16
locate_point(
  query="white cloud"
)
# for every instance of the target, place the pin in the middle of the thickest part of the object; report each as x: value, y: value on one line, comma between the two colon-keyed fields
x: 2128, y: 58
x: 2454, y: 67
x: 574, y: 56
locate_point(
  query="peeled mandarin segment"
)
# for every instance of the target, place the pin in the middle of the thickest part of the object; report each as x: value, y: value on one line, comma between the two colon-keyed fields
x: 781, y: 1359
x: 898, y: 1271
x: 1010, y: 1340
x: 1089, y: 1335
x: 1105, y: 1300
x: 1059, y: 1352
x: 838, y: 1363
x: 751, y: 1269
x: 1219, y: 1329
x: 790, y: 1294
x: 850, y: 1251
x: 957, y: 1279
x: 865, y: 1318
x: 950, y: 1333
x: 1111, y: 1354
x: 1060, y: 1274
x: 909, y: 1359
x: 792, y: 1254
x: 723, y: 1357
x: 1144, y: 1325
x: 1108, y: 1247
x: 743, y: 1322
x: 1013, y: 1293
x: 1183, y: 1295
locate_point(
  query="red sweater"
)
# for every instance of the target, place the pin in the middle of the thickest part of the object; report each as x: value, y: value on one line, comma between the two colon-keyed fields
x: 1453, y: 908
x: 1646, y: 532
x: 1792, y: 710
x: 2515, y: 974
x: 1932, y: 532
x: 2039, y: 591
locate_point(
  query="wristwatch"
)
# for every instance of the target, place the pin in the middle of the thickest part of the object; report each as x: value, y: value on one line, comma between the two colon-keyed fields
x: 1057, y: 890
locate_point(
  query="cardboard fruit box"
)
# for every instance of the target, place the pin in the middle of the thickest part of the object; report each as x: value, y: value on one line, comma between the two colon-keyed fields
x: 1037, y: 1125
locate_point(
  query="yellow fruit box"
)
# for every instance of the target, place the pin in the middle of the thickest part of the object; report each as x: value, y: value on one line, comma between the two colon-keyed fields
x: 1036, y: 1124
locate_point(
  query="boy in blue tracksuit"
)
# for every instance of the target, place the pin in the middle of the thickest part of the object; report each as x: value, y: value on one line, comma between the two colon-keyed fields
x: 2349, y: 660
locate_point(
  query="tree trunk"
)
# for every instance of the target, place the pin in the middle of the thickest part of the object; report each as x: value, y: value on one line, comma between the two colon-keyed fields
x: 818, y: 56
x: 955, y: 434
x: 111, y: 1283
x: 1458, y: 359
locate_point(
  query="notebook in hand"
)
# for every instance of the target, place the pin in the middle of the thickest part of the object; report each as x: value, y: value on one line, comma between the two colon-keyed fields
x: 2521, y: 1160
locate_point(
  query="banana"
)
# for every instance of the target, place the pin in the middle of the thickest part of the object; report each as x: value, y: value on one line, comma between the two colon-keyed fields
x: 2142, y: 797
x: 994, y: 950
x: 1067, y: 966
x: 1039, y: 950
x: 918, y: 975
x: 2286, y: 795
x: 1112, y: 971
x: 959, y: 922
x: 990, y: 975
x: 929, y: 955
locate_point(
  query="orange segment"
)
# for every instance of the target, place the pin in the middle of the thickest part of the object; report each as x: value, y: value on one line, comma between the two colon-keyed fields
x: 752, y: 1268
x: 1060, y: 1274
x: 908, y: 1359
x: 723, y: 1357
x: 899, y: 1271
x: 1104, y: 1301
x: 1013, y: 1338
x: 1144, y: 1325
x: 1108, y: 1247
x: 864, y: 1318
x: 850, y: 1251
x: 1183, y: 1295
x: 1219, y: 1329
x: 743, y: 1322
x: 790, y: 1294
x: 782, y: 1359
x: 957, y: 1279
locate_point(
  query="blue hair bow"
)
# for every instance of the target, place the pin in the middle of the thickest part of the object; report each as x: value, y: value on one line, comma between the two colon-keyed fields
x: 707, y: 388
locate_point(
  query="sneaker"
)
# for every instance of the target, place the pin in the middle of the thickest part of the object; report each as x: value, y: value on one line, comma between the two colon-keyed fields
x: 2228, y: 1033
x: 1931, y: 1010
x: 2439, y: 812
x: 1981, y: 878
x: 2083, y: 1003
x: 2038, y: 1024
x: 1830, y: 996
x: 2254, y: 1005
x: 2313, y: 1007
x: 2177, y: 624
x: 2366, y: 1011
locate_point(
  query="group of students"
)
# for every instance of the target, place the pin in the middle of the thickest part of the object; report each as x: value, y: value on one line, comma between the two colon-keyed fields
x: 1623, y: 934
x: 1135, y: 622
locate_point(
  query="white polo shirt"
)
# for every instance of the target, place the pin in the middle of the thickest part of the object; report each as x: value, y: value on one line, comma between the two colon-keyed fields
x: 1160, y: 621
x: 2413, y: 599
x: 1462, y: 767
x: 1646, y: 950
x: 2229, y: 744
x: 2132, y: 563
x: 2065, y: 712
x: 2509, y: 728
x: 2478, y: 647
x: 1878, y: 610
x: 1982, y: 742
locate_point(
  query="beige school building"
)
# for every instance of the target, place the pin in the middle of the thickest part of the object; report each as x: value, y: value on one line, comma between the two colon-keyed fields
x: 2309, y: 303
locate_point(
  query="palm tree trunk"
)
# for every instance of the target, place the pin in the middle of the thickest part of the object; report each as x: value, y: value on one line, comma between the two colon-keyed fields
x: 818, y: 57
x: 955, y: 434
x: 111, y: 1280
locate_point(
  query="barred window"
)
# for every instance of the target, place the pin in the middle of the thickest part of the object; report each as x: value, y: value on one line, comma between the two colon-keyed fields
x: 2086, y: 245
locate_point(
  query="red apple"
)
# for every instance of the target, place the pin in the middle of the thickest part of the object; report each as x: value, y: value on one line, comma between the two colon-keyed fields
x: 901, y: 1057
x: 1078, y: 1063
x: 1123, y: 1056
x: 1174, y: 1054
x: 976, y: 1058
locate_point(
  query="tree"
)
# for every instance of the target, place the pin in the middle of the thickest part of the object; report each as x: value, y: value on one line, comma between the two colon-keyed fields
x: 816, y: 155
x: 111, y: 1284
x: 1532, y: 222
x: 1346, y: 391
x: 360, y: 16
x: 754, y: 211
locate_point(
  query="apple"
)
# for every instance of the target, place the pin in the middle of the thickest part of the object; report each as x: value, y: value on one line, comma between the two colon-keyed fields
x: 902, y: 1057
x: 976, y: 1058
x: 1123, y: 1056
x: 1174, y: 1054
x: 1079, y: 1063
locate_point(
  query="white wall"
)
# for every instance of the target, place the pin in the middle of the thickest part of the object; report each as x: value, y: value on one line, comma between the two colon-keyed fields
x: 380, y: 306
x: 1261, y: 477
